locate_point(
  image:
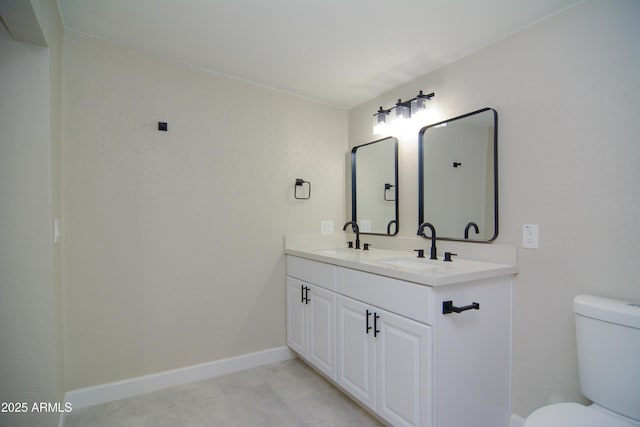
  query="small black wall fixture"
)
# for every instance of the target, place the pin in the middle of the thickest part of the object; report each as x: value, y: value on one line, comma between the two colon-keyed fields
x: 300, y: 183
x: 162, y: 126
x: 388, y: 187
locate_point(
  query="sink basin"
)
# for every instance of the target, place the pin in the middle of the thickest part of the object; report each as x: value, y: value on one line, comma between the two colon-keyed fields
x: 409, y: 263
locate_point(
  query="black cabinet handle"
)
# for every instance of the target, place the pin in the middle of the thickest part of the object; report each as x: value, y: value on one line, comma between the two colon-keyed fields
x: 376, y: 331
x: 368, y: 327
x: 304, y: 294
x: 448, y: 307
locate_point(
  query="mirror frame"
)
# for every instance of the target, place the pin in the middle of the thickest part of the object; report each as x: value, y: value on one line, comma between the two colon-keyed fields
x: 421, y: 200
x: 354, y: 211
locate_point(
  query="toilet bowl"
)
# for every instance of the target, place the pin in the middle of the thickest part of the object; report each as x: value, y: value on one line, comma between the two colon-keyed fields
x: 575, y: 415
x: 608, y: 344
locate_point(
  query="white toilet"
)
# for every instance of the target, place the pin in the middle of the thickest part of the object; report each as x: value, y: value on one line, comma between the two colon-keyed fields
x: 608, y: 338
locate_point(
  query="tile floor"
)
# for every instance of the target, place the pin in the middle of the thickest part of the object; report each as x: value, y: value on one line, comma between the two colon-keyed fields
x: 283, y: 394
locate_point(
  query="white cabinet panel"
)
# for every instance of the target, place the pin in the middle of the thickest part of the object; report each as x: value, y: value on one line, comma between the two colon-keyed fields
x: 296, y: 323
x: 318, y: 273
x: 473, y: 354
x: 322, y: 330
x: 403, y: 350
x: 404, y: 298
x: 356, y: 355
x: 384, y: 361
x: 311, y: 324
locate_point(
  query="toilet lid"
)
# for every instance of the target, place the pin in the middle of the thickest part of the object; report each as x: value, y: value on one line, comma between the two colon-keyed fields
x: 571, y: 415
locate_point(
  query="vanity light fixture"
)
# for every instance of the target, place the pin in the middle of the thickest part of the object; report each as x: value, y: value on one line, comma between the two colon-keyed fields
x: 401, y: 111
x: 419, y: 103
x: 381, y: 121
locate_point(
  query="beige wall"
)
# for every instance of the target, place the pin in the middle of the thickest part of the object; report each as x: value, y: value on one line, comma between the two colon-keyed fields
x: 173, y: 241
x: 30, y: 333
x: 567, y: 91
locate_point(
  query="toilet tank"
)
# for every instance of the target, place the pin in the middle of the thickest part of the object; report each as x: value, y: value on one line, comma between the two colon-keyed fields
x: 608, y: 339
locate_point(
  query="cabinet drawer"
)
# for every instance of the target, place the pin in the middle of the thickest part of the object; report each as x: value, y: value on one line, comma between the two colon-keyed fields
x: 404, y: 298
x: 317, y: 273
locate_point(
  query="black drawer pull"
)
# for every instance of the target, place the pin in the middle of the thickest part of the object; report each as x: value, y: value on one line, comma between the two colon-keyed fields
x: 448, y: 307
x: 368, y: 327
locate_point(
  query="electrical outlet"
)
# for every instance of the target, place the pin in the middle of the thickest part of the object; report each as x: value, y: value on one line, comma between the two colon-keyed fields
x: 326, y: 227
x: 530, y: 236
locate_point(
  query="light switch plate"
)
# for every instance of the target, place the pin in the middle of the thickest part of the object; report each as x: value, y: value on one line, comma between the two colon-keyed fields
x: 530, y: 236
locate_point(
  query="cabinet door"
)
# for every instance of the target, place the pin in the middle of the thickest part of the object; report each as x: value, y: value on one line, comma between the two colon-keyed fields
x: 356, y: 352
x: 321, y: 317
x: 403, y: 374
x: 296, y: 325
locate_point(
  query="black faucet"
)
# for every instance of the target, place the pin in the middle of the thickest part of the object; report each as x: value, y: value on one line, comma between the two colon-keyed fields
x: 434, y: 250
x: 356, y: 229
x: 466, y: 229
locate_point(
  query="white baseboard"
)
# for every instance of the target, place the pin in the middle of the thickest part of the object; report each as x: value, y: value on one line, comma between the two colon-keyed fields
x: 109, y: 392
x: 516, y: 420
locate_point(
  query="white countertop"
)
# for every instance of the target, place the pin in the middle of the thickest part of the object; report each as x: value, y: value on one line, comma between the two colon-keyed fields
x: 404, y: 264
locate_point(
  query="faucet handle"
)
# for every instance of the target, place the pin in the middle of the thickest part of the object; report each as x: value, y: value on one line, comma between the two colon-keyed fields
x: 350, y: 244
x: 420, y: 252
x: 448, y: 255
x: 366, y: 246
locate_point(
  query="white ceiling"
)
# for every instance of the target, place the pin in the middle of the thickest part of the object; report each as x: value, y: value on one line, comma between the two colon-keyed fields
x: 340, y: 52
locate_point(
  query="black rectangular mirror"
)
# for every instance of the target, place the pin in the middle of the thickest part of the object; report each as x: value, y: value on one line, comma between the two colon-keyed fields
x: 374, y: 187
x: 458, y: 176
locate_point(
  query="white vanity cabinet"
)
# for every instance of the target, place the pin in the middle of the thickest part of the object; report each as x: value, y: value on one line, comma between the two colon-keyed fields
x: 384, y: 354
x: 399, y: 353
x: 384, y: 361
x: 311, y: 313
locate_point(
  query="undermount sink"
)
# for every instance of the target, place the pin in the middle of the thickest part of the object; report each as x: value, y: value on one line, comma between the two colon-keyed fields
x: 410, y: 263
